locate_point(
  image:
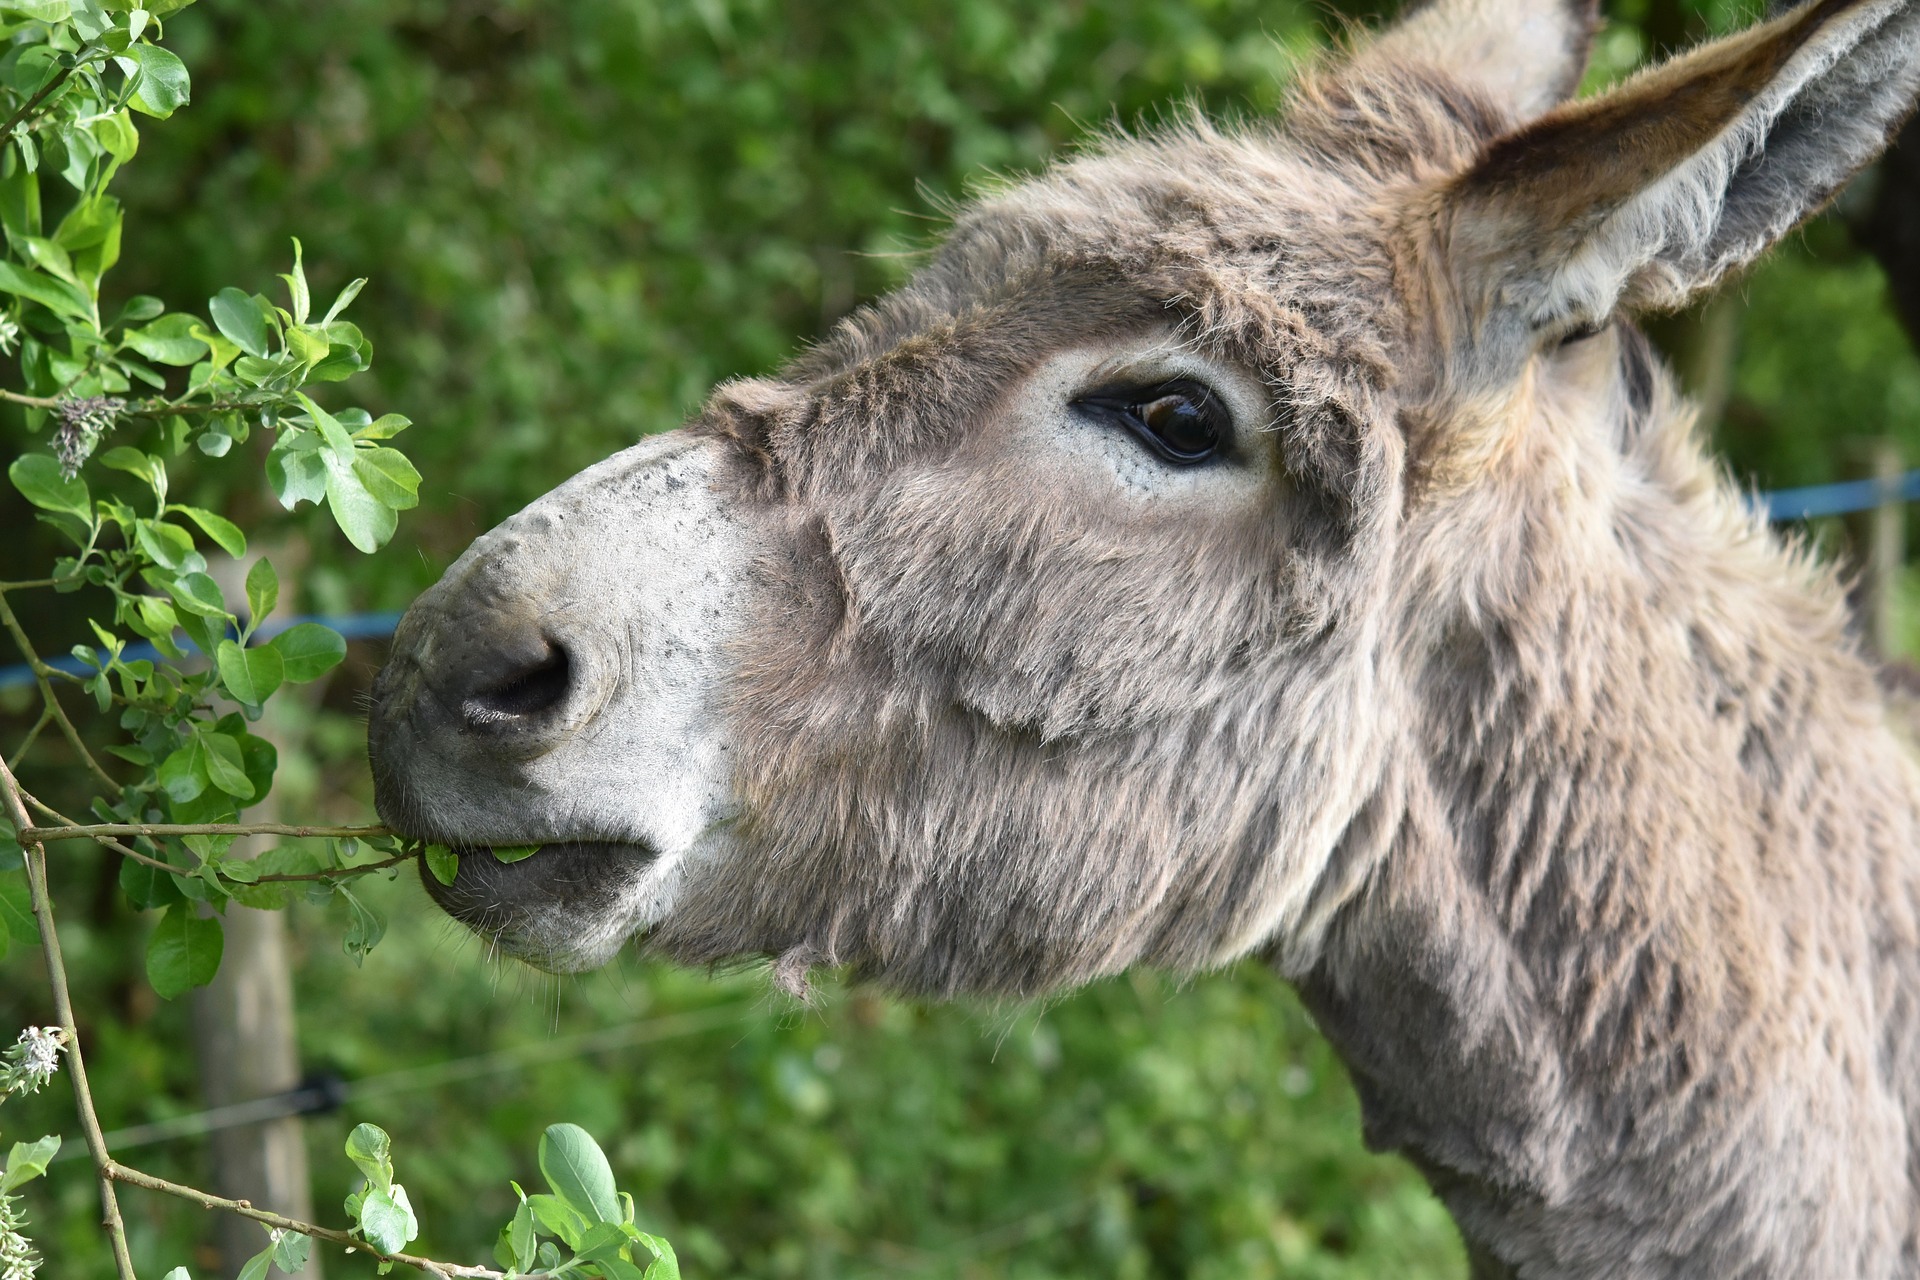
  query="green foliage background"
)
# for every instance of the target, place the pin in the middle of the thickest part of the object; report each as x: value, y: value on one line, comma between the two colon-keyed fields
x: 576, y: 218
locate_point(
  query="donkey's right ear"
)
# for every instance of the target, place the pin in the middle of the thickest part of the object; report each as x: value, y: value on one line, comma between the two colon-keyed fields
x: 1646, y: 195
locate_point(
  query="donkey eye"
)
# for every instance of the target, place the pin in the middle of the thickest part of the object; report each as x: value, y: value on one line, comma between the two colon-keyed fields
x: 1181, y: 421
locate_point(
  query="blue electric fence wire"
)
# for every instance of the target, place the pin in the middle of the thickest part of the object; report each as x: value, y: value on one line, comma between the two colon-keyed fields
x: 1780, y: 506
x: 358, y: 626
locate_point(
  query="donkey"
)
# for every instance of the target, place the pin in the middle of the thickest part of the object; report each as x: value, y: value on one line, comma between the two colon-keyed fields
x: 1276, y: 540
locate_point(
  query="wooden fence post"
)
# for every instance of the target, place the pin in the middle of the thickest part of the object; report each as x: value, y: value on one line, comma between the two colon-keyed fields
x: 1880, y: 542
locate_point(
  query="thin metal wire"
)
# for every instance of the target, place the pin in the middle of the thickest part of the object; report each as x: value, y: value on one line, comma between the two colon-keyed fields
x: 325, y: 1096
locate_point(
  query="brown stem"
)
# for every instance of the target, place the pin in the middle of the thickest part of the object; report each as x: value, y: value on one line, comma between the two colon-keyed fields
x: 26, y: 744
x: 67, y: 730
x: 26, y: 108
x: 352, y: 1243
x: 63, y: 1010
x: 70, y: 830
x: 138, y: 409
x: 50, y: 834
x: 102, y: 841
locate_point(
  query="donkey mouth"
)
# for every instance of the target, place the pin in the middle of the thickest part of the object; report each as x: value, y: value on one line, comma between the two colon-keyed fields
x: 565, y: 907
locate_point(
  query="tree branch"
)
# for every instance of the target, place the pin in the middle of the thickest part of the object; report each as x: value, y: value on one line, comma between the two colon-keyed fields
x: 67, y: 730
x: 153, y: 407
x: 26, y: 108
x: 50, y: 834
x: 36, y: 855
x: 353, y: 1244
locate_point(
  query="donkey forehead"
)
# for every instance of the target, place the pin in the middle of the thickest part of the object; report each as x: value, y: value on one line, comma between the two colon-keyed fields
x: 1240, y: 247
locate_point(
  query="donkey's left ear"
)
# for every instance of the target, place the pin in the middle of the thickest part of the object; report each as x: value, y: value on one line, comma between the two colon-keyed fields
x: 1645, y: 195
x: 1522, y: 55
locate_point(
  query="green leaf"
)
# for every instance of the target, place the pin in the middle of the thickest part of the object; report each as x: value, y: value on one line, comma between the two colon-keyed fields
x: 521, y: 1239
x: 346, y: 297
x: 308, y: 651
x: 240, y: 321
x: 297, y: 287
x: 296, y: 470
x: 365, y: 927
x: 184, y: 951
x: 224, y: 532
x: 443, y: 862
x: 37, y: 477
x: 20, y: 203
x: 389, y: 477
x: 251, y: 675
x: 225, y: 767
x: 178, y: 1273
x: 37, y: 64
x: 16, y: 909
x: 384, y: 427
x: 263, y: 592
x: 602, y: 1243
x: 57, y: 296
x: 27, y: 1161
x: 167, y: 545
x: 577, y: 1171
x: 117, y: 135
x: 257, y: 1266
x: 197, y: 594
x: 371, y: 1151
x: 168, y: 340
x: 163, y: 86
x: 558, y: 1219
x: 665, y: 1265
x: 515, y: 852
x: 332, y: 434
x: 147, y: 887
x: 306, y: 346
x: 366, y: 520
x: 386, y: 1219
x: 137, y: 463
x: 291, y: 1250
x: 183, y: 774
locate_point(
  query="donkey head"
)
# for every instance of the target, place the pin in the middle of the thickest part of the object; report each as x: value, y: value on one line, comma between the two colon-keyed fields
x: 1073, y: 606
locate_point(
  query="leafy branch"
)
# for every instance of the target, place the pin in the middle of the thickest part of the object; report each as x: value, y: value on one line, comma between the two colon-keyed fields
x: 73, y: 76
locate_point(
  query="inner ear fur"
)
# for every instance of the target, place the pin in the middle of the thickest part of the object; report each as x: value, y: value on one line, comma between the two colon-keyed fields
x: 1645, y: 195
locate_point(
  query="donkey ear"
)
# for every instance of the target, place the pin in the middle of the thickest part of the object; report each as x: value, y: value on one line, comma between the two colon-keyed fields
x: 1643, y: 196
x: 1526, y: 55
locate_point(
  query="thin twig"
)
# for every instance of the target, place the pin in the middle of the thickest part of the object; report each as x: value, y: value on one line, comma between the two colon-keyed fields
x: 35, y: 802
x: 30, y: 585
x: 50, y: 834
x: 353, y: 1244
x: 26, y: 108
x: 99, y: 834
x: 26, y: 744
x: 67, y: 730
x: 151, y: 408
x: 63, y: 1010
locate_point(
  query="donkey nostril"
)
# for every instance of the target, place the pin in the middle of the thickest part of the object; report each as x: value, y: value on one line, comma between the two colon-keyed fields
x: 526, y: 692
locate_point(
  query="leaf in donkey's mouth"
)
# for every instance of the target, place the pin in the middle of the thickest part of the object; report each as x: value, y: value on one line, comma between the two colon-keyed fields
x: 443, y: 862
x: 515, y: 852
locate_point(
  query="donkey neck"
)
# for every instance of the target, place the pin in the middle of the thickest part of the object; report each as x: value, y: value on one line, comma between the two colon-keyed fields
x: 1634, y: 976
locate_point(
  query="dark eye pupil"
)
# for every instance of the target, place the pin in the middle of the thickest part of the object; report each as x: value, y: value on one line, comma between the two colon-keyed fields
x: 1176, y: 419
